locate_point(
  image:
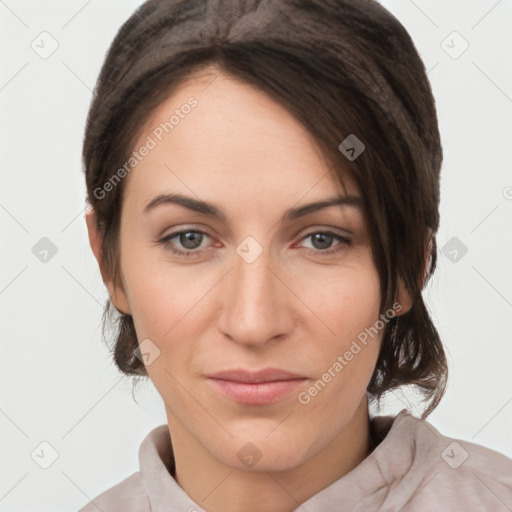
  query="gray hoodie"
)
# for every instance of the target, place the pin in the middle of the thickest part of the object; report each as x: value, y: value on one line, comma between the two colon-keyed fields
x: 412, y: 469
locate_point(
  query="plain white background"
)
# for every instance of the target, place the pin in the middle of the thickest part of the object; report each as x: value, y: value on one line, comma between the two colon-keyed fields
x: 57, y: 382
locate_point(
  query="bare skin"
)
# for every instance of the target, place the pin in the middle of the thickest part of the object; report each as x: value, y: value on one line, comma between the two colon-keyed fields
x: 294, y: 307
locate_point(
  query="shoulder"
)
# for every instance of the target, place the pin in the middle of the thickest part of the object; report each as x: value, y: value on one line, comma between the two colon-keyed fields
x: 465, y: 475
x: 479, y: 474
x: 129, y: 496
x: 444, y: 473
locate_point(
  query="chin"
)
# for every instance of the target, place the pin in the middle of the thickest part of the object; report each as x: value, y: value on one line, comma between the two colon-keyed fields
x: 282, y: 460
x: 259, y: 451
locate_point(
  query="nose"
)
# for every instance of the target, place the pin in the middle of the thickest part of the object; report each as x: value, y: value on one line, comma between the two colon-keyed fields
x: 256, y: 305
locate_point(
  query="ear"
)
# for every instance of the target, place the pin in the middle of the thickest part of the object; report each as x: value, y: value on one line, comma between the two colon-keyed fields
x: 116, y: 293
x: 403, y: 295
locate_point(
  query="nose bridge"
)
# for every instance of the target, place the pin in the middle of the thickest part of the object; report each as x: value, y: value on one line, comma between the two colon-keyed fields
x: 254, y: 306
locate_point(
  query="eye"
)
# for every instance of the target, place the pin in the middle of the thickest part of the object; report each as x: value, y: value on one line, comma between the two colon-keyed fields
x: 191, y: 241
x: 323, y: 240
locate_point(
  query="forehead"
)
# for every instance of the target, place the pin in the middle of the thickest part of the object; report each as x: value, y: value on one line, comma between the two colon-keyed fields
x: 217, y: 131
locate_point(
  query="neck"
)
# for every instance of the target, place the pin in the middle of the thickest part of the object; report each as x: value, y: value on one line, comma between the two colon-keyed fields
x: 218, y: 487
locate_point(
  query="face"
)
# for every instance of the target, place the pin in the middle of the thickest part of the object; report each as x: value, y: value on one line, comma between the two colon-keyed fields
x: 250, y: 287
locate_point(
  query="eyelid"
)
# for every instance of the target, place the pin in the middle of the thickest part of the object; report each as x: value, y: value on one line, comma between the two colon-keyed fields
x: 324, y: 228
x: 306, y: 231
x: 343, y: 239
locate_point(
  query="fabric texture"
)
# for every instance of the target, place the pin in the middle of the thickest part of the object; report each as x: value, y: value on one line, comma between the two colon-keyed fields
x: 413, y: 468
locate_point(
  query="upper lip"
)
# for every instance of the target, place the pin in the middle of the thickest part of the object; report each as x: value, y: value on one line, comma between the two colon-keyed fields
x: 255, y: 376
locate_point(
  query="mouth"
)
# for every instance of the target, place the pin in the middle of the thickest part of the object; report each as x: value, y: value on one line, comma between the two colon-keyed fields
x: 255, y: 387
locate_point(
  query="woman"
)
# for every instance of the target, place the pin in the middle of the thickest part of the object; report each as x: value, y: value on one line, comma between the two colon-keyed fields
x: 263, y: 181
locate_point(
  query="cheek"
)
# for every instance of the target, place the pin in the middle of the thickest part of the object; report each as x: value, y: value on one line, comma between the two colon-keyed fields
x: 168, y: 301
x: 165, y: 314
x: 159, y: 294
x: 345, y: 299
x: 347, y: 305
x: 162, y: 309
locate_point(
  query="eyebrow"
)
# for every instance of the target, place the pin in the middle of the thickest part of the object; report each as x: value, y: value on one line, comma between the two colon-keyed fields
x: 212, y: 210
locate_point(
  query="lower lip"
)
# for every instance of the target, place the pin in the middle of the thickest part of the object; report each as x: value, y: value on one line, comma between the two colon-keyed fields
x: 256, y: 394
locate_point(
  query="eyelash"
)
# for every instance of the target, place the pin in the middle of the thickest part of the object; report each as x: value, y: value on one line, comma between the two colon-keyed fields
x: 315, y: 252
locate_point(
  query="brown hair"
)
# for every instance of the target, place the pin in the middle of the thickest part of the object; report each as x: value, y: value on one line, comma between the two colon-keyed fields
x: 340, y: 67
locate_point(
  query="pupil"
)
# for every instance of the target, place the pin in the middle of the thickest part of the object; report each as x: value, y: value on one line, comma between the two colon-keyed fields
x: 322, y: 238
x: 185, y: 238
x: 195, y: 240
